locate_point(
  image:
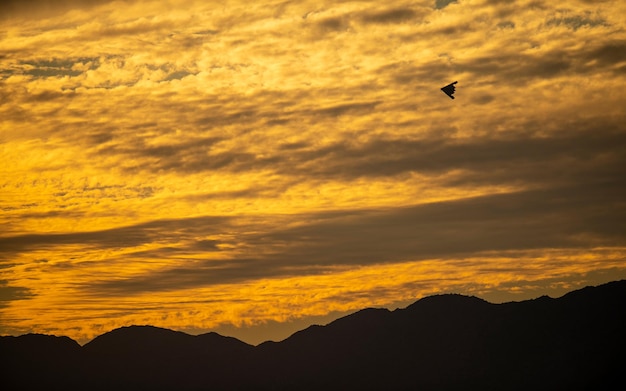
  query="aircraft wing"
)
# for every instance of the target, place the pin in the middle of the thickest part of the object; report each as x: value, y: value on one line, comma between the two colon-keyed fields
x: 449, y: 89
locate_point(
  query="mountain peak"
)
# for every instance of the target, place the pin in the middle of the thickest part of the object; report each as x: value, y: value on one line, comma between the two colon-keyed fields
x: 448, y: 301
x: 447, y: 341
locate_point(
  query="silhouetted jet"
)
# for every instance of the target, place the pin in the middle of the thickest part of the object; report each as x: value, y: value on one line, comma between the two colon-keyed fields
x: 449, y: 89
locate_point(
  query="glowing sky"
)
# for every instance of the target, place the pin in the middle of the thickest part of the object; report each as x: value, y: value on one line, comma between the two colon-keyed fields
x: 246, y: 166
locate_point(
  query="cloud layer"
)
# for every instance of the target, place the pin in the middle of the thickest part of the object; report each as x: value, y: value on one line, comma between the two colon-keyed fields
x: 195, y: 164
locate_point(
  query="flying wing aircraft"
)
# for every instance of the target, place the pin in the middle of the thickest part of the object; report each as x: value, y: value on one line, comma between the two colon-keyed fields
x: 449, y: 89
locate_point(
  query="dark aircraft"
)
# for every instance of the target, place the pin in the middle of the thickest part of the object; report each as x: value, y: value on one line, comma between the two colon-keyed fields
x: 449, y: 89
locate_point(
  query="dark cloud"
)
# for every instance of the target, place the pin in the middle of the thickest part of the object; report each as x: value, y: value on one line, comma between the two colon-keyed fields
x: 11, y: 293
x: 257, y: 192
x: 52, y: 72
x: 35, y: 8
x: 577, y: 21
x: 524, y: 220
x: 331, y: 25
x: 507, y: 24
x: 524, y: 157
x: 572, y: 150
x: 294, y: 146
x: 412, y: 75
x: 188, y: 156
x: 484, y: 99
x: 224, y: 117
x: 50, y: 68
x: 519, y: 67
x: 396, y: 15
x: 177, y: 75
x: 200, y: 154
x: 621, y: 70
x: 51, y: 95
x: 514, y: 67
x: 130, y: 236
x: 216, y: 271
x: 340, y: 238
x: 344, y: 22
x: 190, y: 248
x: 189, y: 147
x: 574, y: 216
x: 439, y: 4
x: 608, y: 54
x: 347, y: 108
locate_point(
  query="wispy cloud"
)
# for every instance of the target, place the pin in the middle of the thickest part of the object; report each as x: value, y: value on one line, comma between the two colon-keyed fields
x: 191, y: 163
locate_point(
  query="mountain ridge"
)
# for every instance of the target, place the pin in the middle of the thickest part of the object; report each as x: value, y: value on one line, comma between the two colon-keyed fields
x: 444, y: 342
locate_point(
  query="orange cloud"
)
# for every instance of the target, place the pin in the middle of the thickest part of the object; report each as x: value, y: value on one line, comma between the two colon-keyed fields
x: 189, y: 165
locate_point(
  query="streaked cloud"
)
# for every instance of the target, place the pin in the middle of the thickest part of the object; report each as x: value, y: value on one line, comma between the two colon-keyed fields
x: 11, y: 293
x: 198, y: 165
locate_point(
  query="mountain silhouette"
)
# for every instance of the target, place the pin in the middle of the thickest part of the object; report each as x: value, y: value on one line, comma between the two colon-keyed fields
x: 156, y: 358
x: 442, y: 342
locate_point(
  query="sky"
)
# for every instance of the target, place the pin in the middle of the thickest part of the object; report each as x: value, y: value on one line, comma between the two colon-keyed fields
x: 253, y: 168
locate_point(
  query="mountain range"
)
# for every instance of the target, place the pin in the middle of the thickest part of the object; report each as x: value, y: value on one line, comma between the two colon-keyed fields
x: 442, y: 342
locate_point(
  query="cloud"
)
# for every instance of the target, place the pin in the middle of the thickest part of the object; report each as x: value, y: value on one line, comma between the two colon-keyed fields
x: 525, y: 155
x: 564, y: 217
x: 576, y: 22
x: 30, y: 8
x: 440, y: 4
x: 316, y: 241
x: 10, y: 293
x: 270, y: 160
x: 517, y: 68
x: 130, y: 236
x: 392, y: 15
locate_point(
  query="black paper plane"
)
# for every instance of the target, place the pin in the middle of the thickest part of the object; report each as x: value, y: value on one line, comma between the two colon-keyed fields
x: 449, y: 89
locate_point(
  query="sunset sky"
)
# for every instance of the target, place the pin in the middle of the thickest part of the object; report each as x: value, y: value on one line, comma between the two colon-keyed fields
x: 255, y: 167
